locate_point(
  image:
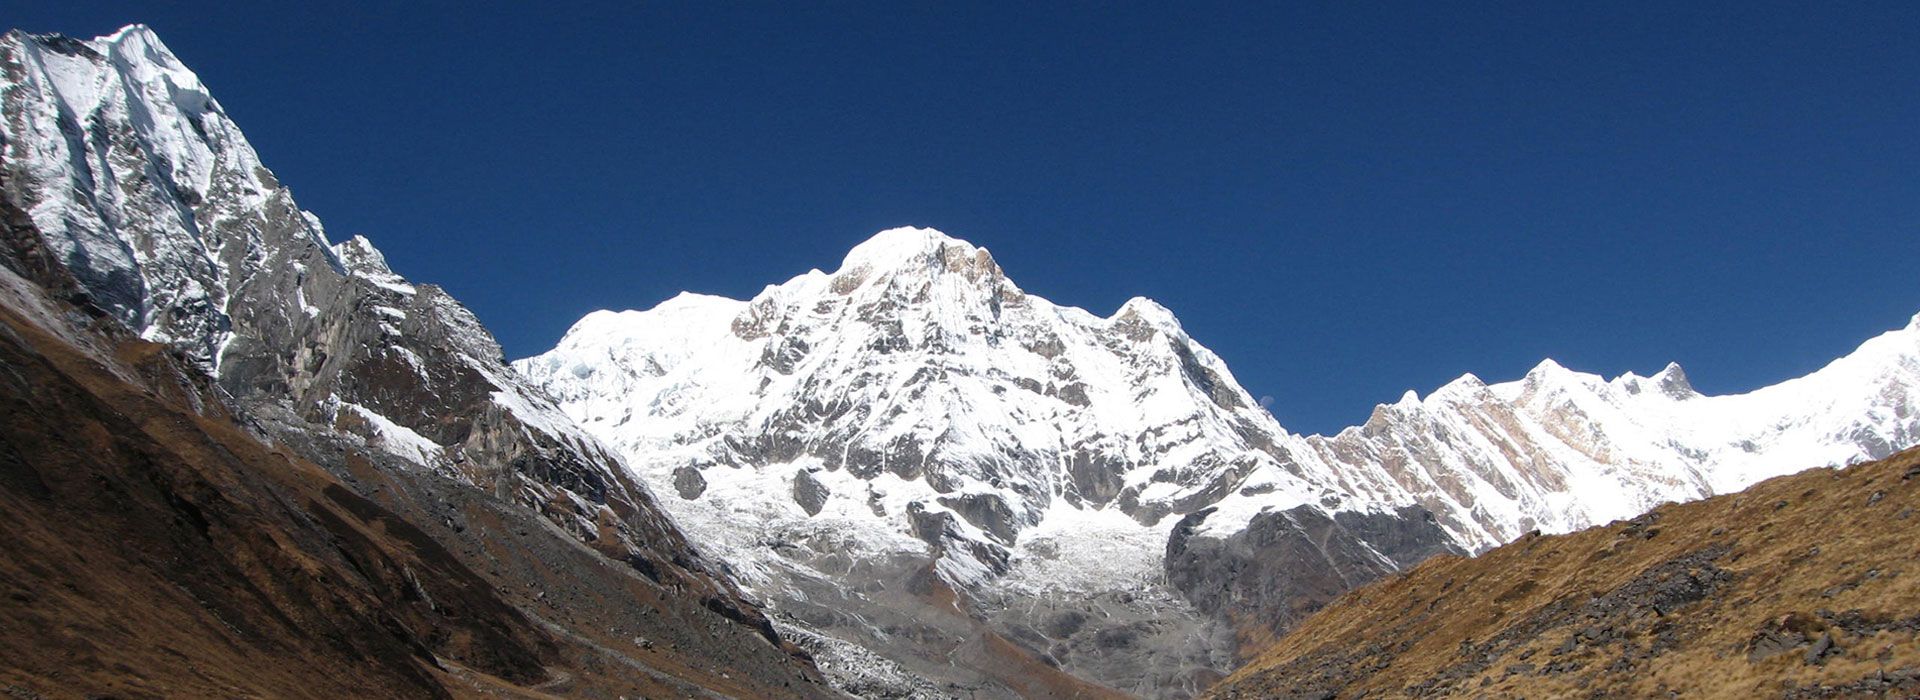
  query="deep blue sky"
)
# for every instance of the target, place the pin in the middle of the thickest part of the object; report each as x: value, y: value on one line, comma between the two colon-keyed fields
x: 1344, y: 200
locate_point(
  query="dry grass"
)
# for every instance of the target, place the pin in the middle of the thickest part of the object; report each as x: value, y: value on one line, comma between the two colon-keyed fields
x: 149, y: 549
x: 1730, y: 597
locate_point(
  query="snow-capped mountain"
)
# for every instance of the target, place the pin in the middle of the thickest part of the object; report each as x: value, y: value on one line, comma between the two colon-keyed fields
x: 916, y: 403
x: 944, y: 484
x: 127, y: 173
x: 916, y: 381
x: 143, y: 188
x: 1560, y: 450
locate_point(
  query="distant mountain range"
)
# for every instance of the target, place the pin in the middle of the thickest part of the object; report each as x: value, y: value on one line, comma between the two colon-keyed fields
x: 907, y: 477
x: 916, y: 404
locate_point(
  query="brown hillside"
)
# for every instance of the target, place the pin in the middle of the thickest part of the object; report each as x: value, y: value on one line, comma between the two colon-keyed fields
x: 150, y: 546
x: 1805, y: 586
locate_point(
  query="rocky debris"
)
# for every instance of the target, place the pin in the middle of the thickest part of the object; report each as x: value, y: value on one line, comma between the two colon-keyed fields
x: 1144, y: 640
x: 1255, y: 575
x: 1614, y: 619
x: 1785, y: 635
x: 1822, y: 648
x: 1896, y: 683
x: 862, y: 673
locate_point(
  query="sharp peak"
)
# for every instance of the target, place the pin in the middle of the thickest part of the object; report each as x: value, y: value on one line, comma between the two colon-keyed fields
x: 359, y: 254
x: 1673, y: 380
x: 1551, y: 373
x: 1546, y: 367
x: 1145, y: 308
x: 1468, y: 382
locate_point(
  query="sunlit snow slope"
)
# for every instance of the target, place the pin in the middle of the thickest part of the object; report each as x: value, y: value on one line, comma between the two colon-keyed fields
x: 918, y: 379
x: 915, y: 402
x: 918, y: 376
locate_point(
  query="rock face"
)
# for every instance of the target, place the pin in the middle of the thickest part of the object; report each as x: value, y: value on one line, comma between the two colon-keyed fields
x: 910, y: 455
x: 154, y: 547
x: 915, y: 405
x: 1286, y: 564
x: 122, y: 167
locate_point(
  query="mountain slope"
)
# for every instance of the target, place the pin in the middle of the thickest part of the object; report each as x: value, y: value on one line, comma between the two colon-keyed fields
x: 843, y: 435
x: 1560, y: 450
x: 915, y: 405
x: 154, y: 547
x: 923, y: 375
x: 122, y: 173
x: 1799, y: 587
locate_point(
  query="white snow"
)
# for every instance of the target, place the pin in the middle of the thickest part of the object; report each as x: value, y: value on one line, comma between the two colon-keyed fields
x: 396, y: 438
x: 917, y: 339
x: 918, y: 348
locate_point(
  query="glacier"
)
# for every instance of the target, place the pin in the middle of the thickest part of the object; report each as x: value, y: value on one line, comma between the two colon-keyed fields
x: 915, y: 402
x: 908, y: 455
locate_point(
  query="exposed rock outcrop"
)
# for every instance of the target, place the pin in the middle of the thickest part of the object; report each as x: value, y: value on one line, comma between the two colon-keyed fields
x: 121, y: 171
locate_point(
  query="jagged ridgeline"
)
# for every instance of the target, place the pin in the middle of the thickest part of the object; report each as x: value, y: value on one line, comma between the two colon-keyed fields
x: 123, y: 172
x: 1099, y: 491
x: 938, y: 483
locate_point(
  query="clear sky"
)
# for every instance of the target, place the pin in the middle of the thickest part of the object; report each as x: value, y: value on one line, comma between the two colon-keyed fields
x: 1344, y: 200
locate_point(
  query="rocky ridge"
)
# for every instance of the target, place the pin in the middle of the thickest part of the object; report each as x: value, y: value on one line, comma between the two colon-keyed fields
x: 909, y: 456
x: 130, y: 178
x: 916, y: 406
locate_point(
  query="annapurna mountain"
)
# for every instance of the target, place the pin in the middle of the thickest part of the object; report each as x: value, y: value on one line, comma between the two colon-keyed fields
x: 940, y: 484
x: 915, y: 405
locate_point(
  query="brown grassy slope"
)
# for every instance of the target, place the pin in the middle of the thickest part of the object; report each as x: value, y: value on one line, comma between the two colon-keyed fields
x: 151, y: 547
x: 153, y: 551
x: 1801, y: 586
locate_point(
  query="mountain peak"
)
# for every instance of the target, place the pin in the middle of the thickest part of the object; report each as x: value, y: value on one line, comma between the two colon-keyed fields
x: 1144, y: 308
x: 919, y: 253
x: 897, y: 246
x: 135, y: 30
x: 359, y: 255
x: 1547, y: 368
x: 1466, y: 384
x: 1673, y: 381
x: 138, y: 43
